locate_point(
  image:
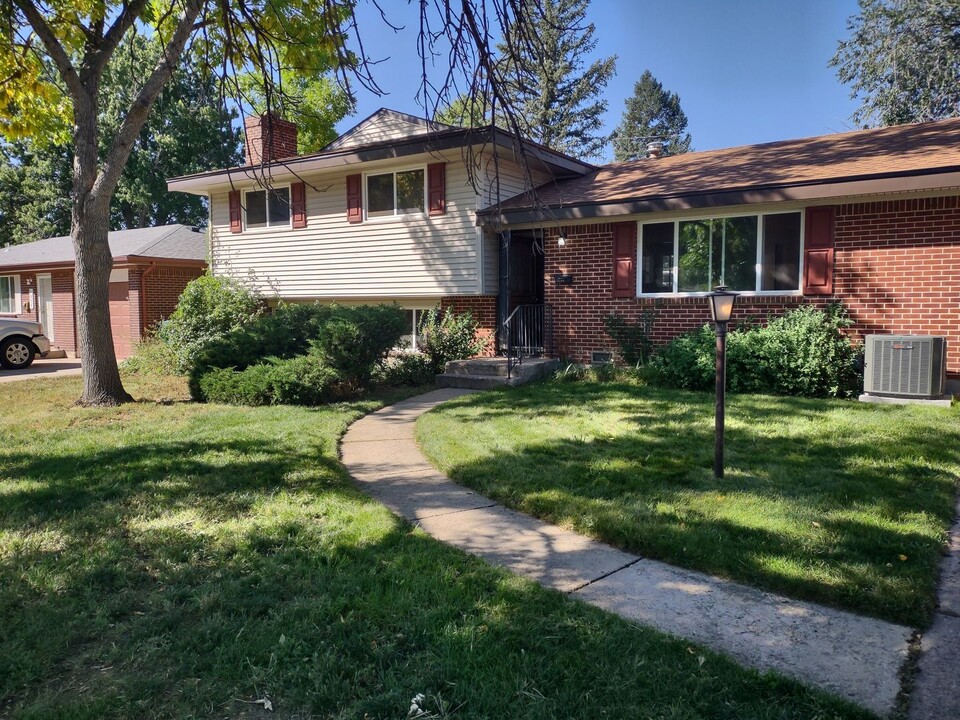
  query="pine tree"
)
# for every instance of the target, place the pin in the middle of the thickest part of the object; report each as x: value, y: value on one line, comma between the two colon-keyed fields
x: 652, y: 114
x: 902, y: 61
x: 554, y: 90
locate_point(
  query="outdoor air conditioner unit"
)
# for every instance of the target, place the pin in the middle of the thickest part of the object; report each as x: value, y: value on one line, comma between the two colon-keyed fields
x: 905, y: 366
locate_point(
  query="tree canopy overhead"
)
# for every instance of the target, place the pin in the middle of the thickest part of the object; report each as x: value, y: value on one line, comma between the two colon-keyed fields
x: 652, y: 114
x: 902, y: 61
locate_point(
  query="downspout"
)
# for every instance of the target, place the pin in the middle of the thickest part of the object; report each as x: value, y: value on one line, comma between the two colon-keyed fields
x: 143, y: 300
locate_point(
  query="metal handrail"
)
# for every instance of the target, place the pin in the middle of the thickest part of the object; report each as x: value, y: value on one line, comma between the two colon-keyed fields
x: 525, y: 333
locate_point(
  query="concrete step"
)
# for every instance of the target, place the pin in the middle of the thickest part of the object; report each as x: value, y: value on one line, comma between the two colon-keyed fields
x: 484, y: 373
x: 473, y: 382
x: 56, y: 354
x: 477, y: 366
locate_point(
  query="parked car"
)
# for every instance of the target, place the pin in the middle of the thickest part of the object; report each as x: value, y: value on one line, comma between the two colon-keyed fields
x: 20, y: 342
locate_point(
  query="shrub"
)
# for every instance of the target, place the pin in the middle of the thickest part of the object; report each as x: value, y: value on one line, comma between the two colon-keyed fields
x: 303, y: 380
x: 447, y: 337
x: 804, y: 353
x: 354, y: 340
x: 152, y: 357
x: 208, y: 309
x: 633, y: 339
x: 412, y: 369
x: 284, y: 333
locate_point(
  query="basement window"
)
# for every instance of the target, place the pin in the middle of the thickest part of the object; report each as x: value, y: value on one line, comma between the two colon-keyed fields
x: 396, y: 193
x: 267, y: 208
x: 747, y: 253
x: 9, y: 294
x: 601, y: 357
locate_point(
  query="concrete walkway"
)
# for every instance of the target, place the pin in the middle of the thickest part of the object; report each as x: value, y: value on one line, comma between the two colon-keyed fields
x: 855, y: 657
x: 936, y: 694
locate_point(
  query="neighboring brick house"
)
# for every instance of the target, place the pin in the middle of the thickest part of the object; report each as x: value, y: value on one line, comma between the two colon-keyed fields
x: 151, y: 266
x: 405, y: 210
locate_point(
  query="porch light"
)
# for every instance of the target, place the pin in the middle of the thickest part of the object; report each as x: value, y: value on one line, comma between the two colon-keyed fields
x: 721, y: 308
x: 561, y: 241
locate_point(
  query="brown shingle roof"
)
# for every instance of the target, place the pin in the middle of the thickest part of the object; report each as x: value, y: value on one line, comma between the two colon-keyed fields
x: 883, y: 152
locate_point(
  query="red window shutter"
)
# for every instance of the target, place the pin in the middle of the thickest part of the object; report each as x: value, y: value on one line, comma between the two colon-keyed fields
x: 437, y: 188
x: 624, y: 259
x: 236, y: 224
x: 298, y: 204
x: 818, y: 249
x: 354, y: 198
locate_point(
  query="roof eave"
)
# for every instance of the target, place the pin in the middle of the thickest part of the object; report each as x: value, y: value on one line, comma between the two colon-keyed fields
x: 201, y: 183
x: 935, y: 179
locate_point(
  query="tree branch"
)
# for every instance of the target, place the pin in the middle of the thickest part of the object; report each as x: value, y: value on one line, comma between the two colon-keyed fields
x: 123, y: 141
x: 128, y: 16
x: 54, y: 49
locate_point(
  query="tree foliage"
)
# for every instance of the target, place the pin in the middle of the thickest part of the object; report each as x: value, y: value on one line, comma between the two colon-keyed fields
x: 902, y: 61
x: 549, y: 81
x: 463, y: 111
x: 652, y: 114
x: 316, y: 103
x: 189, y: 131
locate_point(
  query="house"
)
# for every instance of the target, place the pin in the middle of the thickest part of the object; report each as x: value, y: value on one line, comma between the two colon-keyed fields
x: 385, y: 213
x: 399, y: 209
x: 151, y: 266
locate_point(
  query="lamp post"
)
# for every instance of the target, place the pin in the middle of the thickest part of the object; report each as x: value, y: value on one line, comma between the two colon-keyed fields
x: 721, y: 308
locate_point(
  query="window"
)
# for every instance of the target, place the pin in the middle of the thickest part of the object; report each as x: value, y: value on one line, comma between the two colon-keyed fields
x: 267, y: 208
x: 748, y: 253
x: 414, y: 317
x: 396, y: 193
x: 9, y: 292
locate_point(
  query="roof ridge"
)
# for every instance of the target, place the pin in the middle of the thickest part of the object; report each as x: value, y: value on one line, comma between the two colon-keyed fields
x: 149, y: 246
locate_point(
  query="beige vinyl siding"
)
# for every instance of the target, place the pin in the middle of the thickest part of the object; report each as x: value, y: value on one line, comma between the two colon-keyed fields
x: 379, y: 128
x: 397, y: 257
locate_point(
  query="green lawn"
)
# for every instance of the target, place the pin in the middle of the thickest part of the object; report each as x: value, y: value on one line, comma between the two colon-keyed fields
x: 834, y: 501
x: 170, y: 559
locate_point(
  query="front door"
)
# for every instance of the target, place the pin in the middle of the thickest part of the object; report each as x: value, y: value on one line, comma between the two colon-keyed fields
x: 45, y: 304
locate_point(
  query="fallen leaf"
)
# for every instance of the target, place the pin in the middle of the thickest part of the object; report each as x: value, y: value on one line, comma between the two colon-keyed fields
x: 267, y: 705
x: 902, y: 558
x: 816, y: 524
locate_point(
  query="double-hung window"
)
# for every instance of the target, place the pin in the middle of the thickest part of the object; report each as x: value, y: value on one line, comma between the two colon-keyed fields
x: 396, y: 193
x: 9, y: 289
x: 747, y: 253
x: 267, y: 208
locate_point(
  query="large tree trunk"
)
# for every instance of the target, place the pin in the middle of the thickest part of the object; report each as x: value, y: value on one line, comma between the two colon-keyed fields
x: 89, y: 228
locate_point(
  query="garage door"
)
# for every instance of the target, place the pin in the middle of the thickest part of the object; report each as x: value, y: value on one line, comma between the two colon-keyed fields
x: 120, y: 318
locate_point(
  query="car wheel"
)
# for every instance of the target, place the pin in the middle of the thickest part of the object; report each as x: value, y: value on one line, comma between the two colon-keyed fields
x: 17, y: 353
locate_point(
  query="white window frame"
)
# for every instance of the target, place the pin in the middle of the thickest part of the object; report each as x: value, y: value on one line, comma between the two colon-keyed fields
x: 756, y: 292
x: 390, y: 218
x: 15, y: 297
x: 415, y: 331
x: 268, y: 227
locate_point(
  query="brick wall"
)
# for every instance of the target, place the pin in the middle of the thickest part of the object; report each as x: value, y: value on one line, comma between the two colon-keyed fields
x: 484, y: 310
x: 897, y: 271
x: 898, y: 268
x: 163, y: 288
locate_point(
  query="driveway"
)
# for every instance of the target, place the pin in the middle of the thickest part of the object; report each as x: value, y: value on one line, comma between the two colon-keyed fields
x: 42, y: 369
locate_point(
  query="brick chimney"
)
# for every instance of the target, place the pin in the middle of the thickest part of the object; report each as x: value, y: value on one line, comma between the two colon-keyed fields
x: 269, y: 138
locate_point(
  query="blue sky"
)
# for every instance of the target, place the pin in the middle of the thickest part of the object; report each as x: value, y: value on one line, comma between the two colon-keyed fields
x: 747, y: 71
